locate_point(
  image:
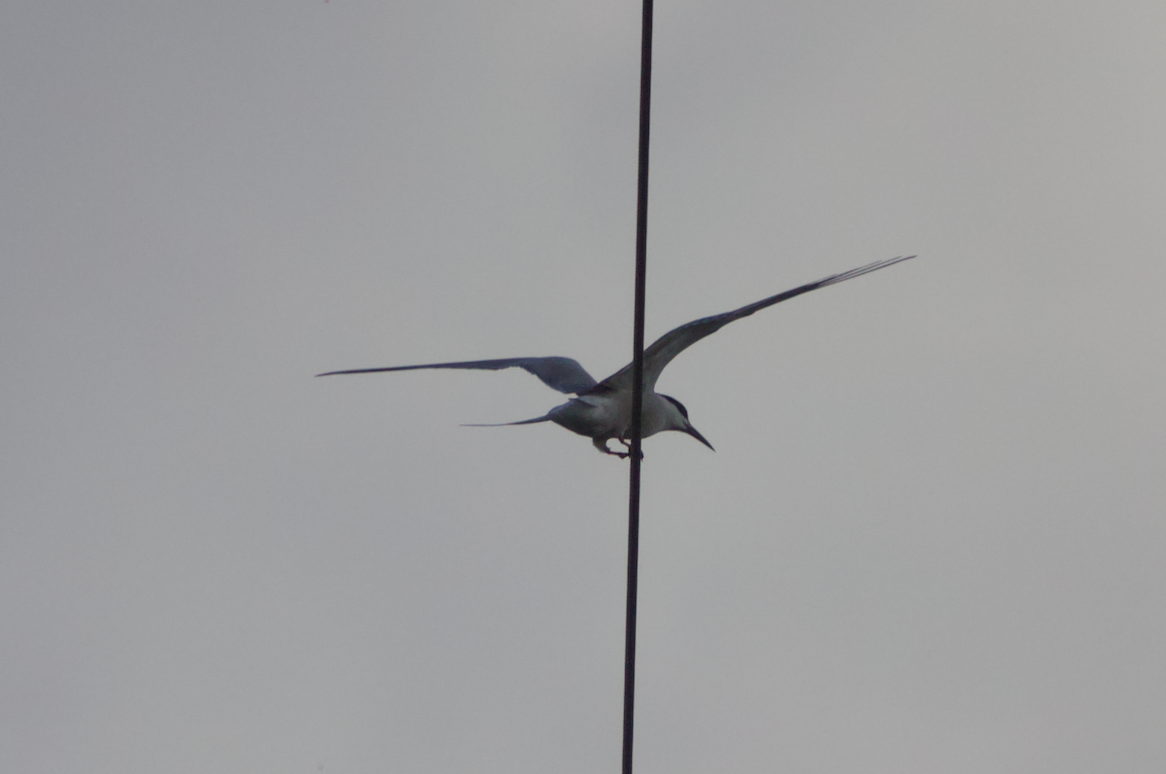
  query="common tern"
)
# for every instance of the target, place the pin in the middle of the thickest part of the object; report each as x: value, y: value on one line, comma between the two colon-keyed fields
x: 603, y: 410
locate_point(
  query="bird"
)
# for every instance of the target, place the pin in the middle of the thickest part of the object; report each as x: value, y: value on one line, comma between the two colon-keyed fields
x: 602, y: 410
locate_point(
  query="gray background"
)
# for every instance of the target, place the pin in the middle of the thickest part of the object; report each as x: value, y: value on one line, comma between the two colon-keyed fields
x: 931, y: 538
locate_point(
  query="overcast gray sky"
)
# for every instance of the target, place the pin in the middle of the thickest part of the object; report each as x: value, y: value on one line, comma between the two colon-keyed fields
x: 932, y: 536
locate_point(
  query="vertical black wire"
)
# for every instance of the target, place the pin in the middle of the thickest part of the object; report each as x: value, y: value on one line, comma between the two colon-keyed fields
x: 629, y: 670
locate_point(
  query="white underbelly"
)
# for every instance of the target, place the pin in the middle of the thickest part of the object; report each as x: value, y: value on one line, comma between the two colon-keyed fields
x: 606, y: 416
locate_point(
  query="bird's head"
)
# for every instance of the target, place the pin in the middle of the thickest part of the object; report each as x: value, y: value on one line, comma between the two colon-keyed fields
x: 677, y: 419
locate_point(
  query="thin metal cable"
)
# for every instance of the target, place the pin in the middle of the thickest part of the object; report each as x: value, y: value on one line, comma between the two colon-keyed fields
x: 629, y: 671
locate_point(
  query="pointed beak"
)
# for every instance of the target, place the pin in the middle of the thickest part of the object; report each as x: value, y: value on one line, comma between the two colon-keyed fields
x: 693, y: 432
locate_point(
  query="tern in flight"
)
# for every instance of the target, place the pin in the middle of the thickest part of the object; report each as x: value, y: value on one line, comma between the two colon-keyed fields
x: 603, y: 410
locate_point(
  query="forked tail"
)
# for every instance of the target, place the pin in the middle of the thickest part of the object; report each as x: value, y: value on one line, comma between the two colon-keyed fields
x: 536, y: 420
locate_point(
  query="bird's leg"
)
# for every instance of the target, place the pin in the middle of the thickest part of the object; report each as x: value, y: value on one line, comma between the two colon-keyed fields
x: 628, y: 446
x: 601, y: 444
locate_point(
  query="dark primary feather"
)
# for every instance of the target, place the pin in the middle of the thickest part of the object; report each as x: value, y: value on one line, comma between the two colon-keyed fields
x: 675, y: 341
x: 559, y: 373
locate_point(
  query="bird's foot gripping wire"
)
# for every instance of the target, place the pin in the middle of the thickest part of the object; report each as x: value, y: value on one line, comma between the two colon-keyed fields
x: 601, y: 444
x: 627, y: 445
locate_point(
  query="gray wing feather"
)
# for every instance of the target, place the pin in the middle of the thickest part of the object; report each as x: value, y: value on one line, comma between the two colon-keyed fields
x: 559, y: 373
x: 675, y: 341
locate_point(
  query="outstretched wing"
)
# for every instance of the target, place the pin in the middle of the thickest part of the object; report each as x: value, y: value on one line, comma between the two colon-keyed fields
x: 675, y: 341
x: 558, y: 373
